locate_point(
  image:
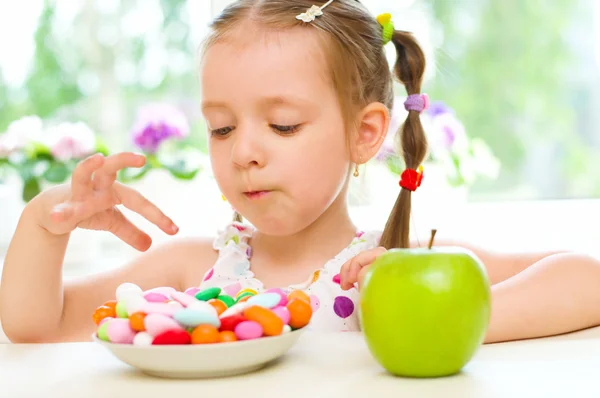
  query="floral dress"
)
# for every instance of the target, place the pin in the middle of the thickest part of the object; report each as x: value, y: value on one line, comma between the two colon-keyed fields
x: 333, y: 308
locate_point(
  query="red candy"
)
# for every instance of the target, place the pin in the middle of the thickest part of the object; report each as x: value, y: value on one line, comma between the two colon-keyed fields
x: 171, y: 337
x: 229, y: 323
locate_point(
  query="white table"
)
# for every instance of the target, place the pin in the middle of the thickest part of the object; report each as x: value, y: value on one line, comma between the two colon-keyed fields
x: 320, y: 365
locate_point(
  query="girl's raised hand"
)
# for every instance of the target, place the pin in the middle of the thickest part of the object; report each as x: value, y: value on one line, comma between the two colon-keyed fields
x: 94, y: 196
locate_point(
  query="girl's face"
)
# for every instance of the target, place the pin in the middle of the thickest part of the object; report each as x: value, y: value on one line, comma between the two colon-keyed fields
x: 277, y: 143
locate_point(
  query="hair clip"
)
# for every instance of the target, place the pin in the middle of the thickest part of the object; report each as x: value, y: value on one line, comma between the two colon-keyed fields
x: 411, y: 179
x: 312, y: 12
x: 385, y: 20
x: 417, y: 102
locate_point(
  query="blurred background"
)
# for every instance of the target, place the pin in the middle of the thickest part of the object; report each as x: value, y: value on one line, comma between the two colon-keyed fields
x: 514, y: 122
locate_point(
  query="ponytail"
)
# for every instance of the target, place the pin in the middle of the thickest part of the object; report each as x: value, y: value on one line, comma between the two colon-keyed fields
x: 409, y: 69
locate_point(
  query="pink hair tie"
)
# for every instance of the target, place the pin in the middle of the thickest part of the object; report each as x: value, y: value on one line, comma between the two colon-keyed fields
x: 417, y: 102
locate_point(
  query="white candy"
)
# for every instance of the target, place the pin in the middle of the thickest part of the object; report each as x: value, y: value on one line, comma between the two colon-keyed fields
x: 143, y: 339
x: 128, y: 289
x: 235, y: 309
x: 203, y: 306
x: 286, y: 329
x: 133, y: 303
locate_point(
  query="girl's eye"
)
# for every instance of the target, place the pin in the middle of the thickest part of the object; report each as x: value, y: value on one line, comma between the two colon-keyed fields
x: 285, y: 129
x: 221, y: 132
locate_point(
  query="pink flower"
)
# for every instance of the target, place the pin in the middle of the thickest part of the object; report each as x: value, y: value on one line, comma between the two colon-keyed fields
x: 19, y: 133
x: 68, y: 141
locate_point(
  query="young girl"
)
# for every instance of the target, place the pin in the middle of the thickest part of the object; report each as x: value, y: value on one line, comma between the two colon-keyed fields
x: 296, y: 98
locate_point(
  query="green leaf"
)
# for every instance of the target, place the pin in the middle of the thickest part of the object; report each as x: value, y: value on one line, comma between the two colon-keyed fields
x: 36, y: 150
x: 31, y: 188
x: 395, y: 164
x: 57, y: 173
x: 101, y: 147
x: 133, y: 174
x: 181, y: 171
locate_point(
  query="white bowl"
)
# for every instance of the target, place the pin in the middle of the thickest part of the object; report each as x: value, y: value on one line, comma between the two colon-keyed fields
x: 203, y: 360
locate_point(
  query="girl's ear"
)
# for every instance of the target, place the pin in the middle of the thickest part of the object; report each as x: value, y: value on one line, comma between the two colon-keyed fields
x: 372, y: 125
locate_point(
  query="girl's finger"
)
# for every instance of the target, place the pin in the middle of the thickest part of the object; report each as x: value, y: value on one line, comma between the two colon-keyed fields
x: 350, y: 271
x: 81, y: 180
x: 124, y: 229
x: 107, y: 175
x: 135, y: 201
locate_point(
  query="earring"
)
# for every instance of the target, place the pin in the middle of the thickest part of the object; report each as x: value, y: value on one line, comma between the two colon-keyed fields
x: 356, y: 173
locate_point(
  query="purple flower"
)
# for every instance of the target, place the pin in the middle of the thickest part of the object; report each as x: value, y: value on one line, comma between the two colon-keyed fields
x: 438, y: 108
x: 157, y: 123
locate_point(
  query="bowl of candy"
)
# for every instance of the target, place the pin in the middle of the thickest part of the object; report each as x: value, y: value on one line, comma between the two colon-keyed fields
x: 200, y: 333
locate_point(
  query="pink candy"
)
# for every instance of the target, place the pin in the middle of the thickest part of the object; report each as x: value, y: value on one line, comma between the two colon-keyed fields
x: 161, y: 308
x: 155, y: 297
x: 283, y: 313
x: 119, y: 331
x: 183, y: 298
x: 156, y: 324
x: 192, y: 291
x: 283, y: 302
x: 248, y: 330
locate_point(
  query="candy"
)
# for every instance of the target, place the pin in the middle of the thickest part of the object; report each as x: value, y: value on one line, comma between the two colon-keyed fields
x: 134, y: 304
x: 207, y: 294
x: 111, y: 304
x: 248, y: 330
x: 143, y: 339
x: 128, y: 289
x: 105, y: 320
x: 172, y: 337
x: 283, y: 296
x: 119, y: 331
x: 192, y: 291
x: 243, y: 297
x: 183, y: 298
x: 205, y: 334
x: 286, y: 329
x: 156, y: 324
x: 161, y: 308
x: 283, y: 313
x: 267, y: 300
x: 242, y: 292
x: 218, y: 305
x: 102, y: 335
x: 228, y: 300
x: 237, y: 308
x: 121, y: 311
x: 155, y: 297
x: 103, y: 312
x: 230, y: 322
x: 189, y: 317
x: 298, y: 294
x: 136, y: 321
x: 272, y: 324
x: 300, y: 313
x: 164, y: 290
x: 202, y: 306
x: 227, y: 337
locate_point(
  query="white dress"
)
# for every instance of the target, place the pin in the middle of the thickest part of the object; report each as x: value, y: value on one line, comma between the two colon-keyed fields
x: 333, y: 308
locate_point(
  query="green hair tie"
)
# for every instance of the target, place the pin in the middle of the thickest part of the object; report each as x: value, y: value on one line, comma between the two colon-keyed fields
x: 385, y: 20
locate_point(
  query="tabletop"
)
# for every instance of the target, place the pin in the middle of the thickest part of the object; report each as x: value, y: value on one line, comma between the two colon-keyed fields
x: 319, y: 365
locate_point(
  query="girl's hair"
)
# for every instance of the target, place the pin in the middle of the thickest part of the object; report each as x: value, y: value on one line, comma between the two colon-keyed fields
x: 353, y: 45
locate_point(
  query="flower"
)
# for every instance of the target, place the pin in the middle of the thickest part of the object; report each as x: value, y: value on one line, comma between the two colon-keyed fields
x: 20, y: 133
x: 157, y: 123
x: 70, y: 141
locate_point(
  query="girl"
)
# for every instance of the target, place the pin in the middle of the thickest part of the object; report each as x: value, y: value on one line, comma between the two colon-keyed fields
x: 296, y: 98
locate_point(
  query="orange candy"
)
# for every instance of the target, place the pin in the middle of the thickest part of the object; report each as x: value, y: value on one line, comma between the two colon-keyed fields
x: 298, y: 294
x: 245, y: 298
x: 103, y: 312
x: 136, y: 321
x: 219, y: 305
x: 205, y: 334
x: 227, y: 336
x: 300, y: 313
x: 111, y: 304
x: 271, y: 323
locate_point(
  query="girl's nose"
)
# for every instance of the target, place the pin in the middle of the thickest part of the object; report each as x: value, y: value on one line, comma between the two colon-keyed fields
x: 247, y: 150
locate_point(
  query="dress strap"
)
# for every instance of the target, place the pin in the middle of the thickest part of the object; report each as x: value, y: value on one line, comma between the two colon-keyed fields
x: 234, y: 237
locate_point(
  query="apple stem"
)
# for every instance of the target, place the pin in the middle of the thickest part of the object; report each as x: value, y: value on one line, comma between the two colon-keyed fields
x: 433, y: 232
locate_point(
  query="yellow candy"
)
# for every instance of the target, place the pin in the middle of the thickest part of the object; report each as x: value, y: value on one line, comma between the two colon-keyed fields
x: 247, y: 290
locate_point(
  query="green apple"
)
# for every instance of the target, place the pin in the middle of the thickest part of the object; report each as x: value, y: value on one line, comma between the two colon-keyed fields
x: 424, y: 312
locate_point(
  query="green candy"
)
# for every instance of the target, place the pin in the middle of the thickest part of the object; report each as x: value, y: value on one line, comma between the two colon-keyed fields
x: 102, y: 331
x: 242, y: 296
x: 207, y: 294
x: 121, y: 311
x: 228, y: 300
